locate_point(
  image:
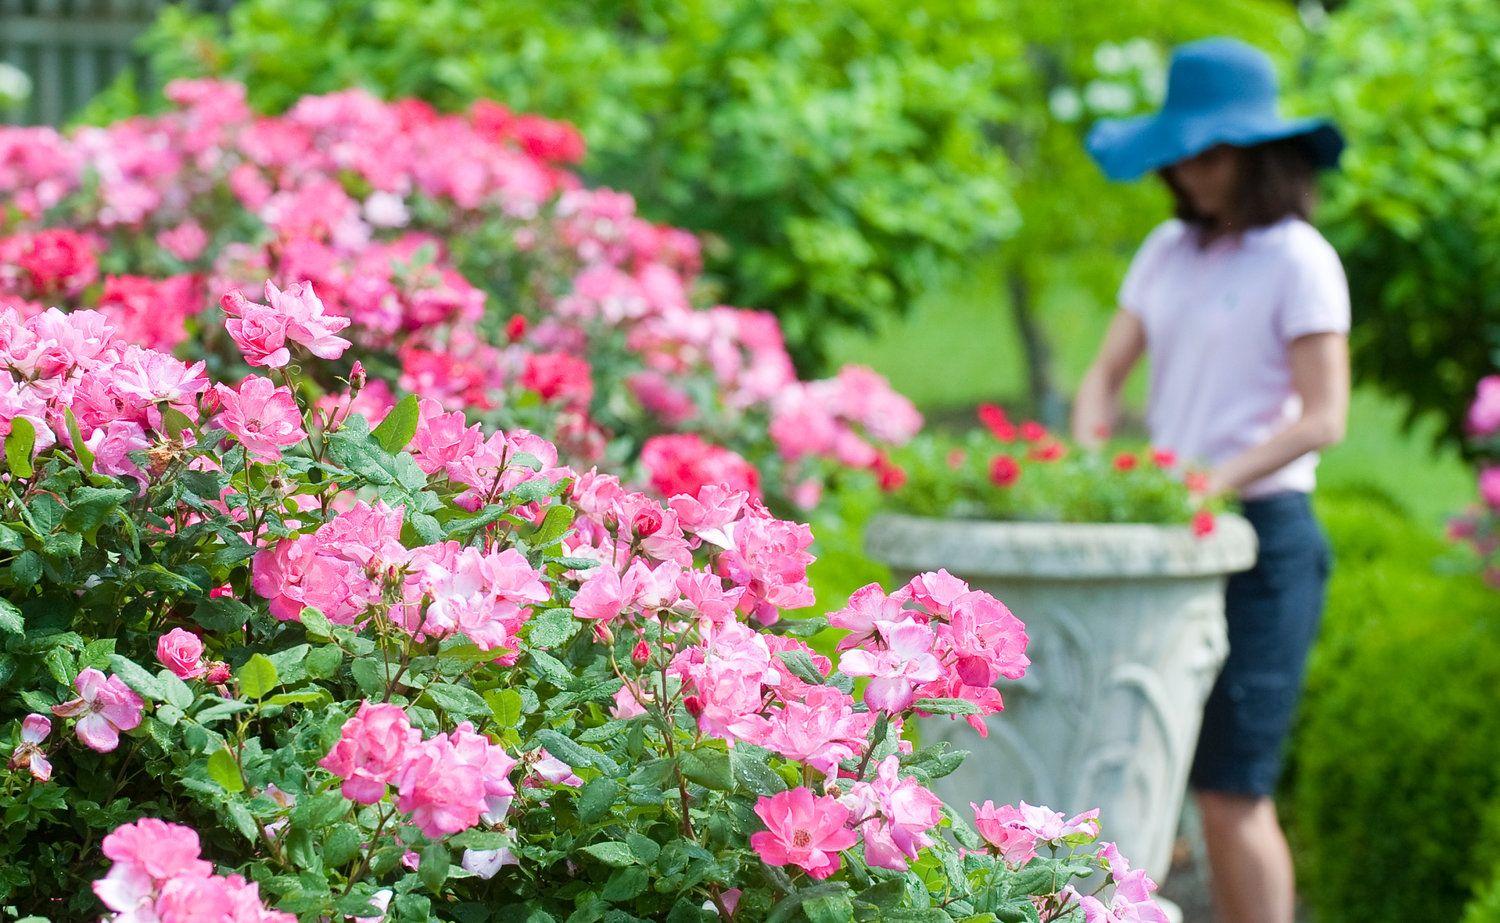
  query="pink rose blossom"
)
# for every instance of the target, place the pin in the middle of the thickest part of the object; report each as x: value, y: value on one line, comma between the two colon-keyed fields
x: 181, y: 651
x: 29, y: 754
x: 1489, y: 486
x: 804, y: 830
x: 262, y: 416
x: 105, y: 706
x: 1484, y: 414
x: 901, y: 662
x: 373, y: 747
x: 894, y: 815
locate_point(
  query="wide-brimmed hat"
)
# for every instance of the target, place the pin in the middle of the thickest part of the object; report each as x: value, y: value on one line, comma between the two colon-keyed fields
x: 1219, y: 91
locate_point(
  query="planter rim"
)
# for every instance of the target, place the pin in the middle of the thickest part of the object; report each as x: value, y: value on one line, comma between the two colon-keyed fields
x: 1059, y: 551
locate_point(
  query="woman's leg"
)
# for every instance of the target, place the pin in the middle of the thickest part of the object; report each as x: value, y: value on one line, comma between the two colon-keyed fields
x: 1249, y: 859
x: 1273, y: 612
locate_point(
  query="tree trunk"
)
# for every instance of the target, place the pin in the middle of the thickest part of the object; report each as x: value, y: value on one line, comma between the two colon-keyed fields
x: 1046, y: 401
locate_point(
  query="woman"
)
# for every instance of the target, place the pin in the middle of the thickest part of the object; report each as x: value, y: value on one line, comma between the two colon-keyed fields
x: 1243, y: 310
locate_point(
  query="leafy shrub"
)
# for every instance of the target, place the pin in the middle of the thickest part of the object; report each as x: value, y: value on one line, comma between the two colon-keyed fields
x: 423, y: 671
x: 473, y: 268
x: 837, y: 152
x: 1398, y: 741
x: 1024, y: 472
x: 1415, y: 212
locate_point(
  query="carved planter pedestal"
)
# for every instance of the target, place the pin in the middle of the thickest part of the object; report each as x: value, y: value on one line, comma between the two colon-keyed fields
x: 1127, y: 635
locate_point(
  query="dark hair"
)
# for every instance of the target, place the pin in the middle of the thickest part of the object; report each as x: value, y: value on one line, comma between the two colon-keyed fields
x: 1276, y: 180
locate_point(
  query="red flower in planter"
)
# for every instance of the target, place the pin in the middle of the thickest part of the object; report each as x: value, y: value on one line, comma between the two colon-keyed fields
x: 1004, y: 471
x: 1126, y: 461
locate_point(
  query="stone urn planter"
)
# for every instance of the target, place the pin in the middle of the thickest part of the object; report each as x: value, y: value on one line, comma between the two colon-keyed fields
x: 1127, y: 636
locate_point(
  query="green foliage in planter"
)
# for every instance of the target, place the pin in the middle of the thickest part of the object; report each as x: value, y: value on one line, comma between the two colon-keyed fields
x: 976, y: 476
x: 839, y: 150
x: 1398, y: 745
x: 1415, y: 213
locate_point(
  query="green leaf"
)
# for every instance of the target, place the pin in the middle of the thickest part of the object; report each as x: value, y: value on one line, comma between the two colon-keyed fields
x: 787, y: 907
x: 505, y: 705
x: 175, y: 690
x: 801, y: 664
x: 301, y: 697
x: 341, y: 845
x: 624, y: 884
x: 10, y: 539
x: 18, y: 446
x: 611, y: 853
x: 709, y: 767
x: 751, y: 766
x: 176, y: 422
x: 26, y: 569
x: 551, y: 669
x: 11, y: 621
x: 946, y: 706
x: 90, y: 507
x: 396, y: 430
x: 596, y: 798
x: 137, y: 678
x: 316, y: 623
x: 457, y: 701
x: 552, y: 628
x: 554, y: 525
x: 80, y: 448
x: 574, y: 753
x: 829, y: 908
x: 96, y: 654
x: 433, y: 869
x: 224, y: 770
x: 532, y: 491
x: 61, y: 664
x: 257, y: 677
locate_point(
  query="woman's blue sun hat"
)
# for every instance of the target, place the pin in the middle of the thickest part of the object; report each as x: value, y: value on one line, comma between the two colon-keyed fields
x: 1219, y: 91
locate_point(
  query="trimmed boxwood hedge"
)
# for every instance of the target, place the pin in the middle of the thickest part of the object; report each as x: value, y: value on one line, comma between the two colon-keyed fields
x: 1397, y: 752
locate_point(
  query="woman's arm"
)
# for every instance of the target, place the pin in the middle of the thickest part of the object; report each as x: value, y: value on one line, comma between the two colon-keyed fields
x: 1320, y: 376
x: 1098, y: 402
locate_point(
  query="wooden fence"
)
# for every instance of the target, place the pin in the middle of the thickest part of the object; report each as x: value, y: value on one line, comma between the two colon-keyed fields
x: 72, y: 49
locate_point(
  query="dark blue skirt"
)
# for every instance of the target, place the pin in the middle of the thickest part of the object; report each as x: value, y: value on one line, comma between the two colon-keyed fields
x: 1273, y: 610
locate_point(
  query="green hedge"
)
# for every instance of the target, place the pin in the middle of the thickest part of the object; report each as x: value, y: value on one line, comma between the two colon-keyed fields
x: 1397, y: 753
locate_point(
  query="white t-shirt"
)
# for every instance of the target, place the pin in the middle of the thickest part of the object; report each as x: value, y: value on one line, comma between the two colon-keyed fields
x: 1219, y: 322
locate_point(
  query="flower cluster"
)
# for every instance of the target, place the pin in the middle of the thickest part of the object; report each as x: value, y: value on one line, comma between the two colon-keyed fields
x: 932, y: 639
x: 446, y: 783
x: 1480, y: 526
x: 156, y: 875
x: 1022, y: 471
x: 455, y: 256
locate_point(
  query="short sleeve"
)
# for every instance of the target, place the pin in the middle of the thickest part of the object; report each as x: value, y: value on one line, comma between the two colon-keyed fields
x: 1315, y: 298
x: 1145, y: 267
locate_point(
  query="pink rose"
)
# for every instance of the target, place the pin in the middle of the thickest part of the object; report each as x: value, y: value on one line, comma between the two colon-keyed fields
x: 181, y: 651
x: 372, y: 747
x: 259, y: 331
x: 804, y: 830
x: 104, y: 708
x: 1489, y: 486
x: 263, y: 417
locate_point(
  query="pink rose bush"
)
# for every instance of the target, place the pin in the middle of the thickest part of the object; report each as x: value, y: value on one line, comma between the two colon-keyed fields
x: 457, y: 257
x: 1479, y: 526
x: 276, y: 649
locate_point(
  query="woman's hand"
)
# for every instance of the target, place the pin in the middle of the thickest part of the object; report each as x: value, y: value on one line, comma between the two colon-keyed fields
x: 1098, y: 401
